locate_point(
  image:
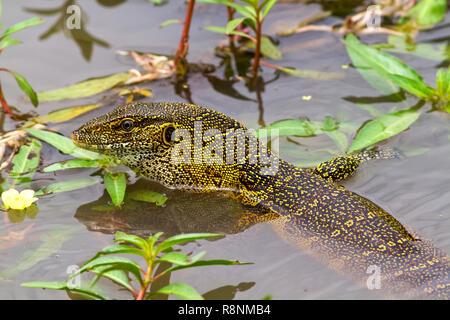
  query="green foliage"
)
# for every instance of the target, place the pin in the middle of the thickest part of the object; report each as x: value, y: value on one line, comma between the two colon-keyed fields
x: 130, y: 275
x: 383, y: 127
x: 428, y: 12
x: 85, y: 88
x: 7, y: 41
x: 386, y: 73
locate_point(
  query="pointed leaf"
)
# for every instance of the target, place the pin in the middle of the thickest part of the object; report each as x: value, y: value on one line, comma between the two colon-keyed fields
x: 69, y: 185
x: 21, y: 25
x: 63, y: 144
x: 115, y: 185
x: 181, y: 290
x: 74, y: 163
x: 382, y: 128
x: 182, y: 238
x: 85, y: 88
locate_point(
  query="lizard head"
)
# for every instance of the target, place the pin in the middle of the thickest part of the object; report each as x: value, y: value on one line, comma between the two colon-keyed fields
x: 146, y: 137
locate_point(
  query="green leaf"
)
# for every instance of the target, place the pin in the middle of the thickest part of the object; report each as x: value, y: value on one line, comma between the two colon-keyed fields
x: 222, y: 30
x: 65, y: 114
x: 7, y: 42
x: 120, y: 249
x: 383, y: 128
x: 123, y: 237
x: 369, y: 60
x: 268, y: 49
x: 74, y: 163
x: 85, y: 88
x: 21, y: 25
x: 243, y: 10
x: 115, y: 185
x: 148, y: 196
x: 54, y: 285
x: 231, y: 25
x: 417, y: 88
x: 68, y: 185
x: 22, y: 161
x: 170, y: 21
x: 63, y: 144
x: 205, y: 263
x: 312, y: 74
x: 181, y: 290
x: 182, y: 238
x: 268, y: 5
x: 177, y: 258
x: 294, y: 127
x: 117, y: 276
x: 25, y: 86
x: 113, y: 263
x: 443, y: 82
x: 429, y: 12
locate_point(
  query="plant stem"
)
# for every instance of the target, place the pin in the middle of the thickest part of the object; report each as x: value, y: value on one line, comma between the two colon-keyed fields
x: 5, y: 104
x: 258, y: 43
x: 147, y: 282
x: 183, y: 45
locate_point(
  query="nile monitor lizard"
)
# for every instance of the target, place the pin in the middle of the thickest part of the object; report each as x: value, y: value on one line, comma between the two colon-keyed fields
x: 181, y: 146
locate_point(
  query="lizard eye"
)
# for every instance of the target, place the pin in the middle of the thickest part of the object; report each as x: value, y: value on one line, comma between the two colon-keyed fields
x: 127, y: 125
x: 167, y: 134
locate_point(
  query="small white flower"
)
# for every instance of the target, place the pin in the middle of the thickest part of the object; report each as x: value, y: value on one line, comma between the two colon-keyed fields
x: 12, y: 199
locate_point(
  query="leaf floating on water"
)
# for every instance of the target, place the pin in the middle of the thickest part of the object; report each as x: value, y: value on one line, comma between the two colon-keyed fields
x: 148, y: 196
x: 65, y: 114
x: 85, y: 88
x: 312, y: 74
x: 68, y: 185
x: 383, y: 128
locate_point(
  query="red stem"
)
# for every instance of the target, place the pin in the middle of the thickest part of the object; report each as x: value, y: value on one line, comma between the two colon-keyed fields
x: 5, y: 104
x: 258, y: 44
x: 184, y: 41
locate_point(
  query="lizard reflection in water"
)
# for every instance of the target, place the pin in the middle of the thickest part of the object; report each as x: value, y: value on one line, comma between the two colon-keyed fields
x: 343, y: 230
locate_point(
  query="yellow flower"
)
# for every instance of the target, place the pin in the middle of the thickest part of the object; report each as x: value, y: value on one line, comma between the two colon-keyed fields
x: 306, y: 98
x: 18, y: 201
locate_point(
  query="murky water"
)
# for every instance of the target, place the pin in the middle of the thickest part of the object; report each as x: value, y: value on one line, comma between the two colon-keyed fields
x: 415, y: 189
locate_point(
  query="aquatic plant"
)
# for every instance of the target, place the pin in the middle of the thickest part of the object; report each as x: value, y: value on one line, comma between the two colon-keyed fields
x: 7, y: 41
x: 130, y: 275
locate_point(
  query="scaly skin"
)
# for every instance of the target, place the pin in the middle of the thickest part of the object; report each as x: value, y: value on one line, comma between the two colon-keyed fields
x: 341, y: 229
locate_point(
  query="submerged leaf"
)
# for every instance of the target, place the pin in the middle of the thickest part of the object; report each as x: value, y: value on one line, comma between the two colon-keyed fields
x: 68, y: 185
x: 148, y: 196
x: 51, y: 243
x: 312, y: 74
